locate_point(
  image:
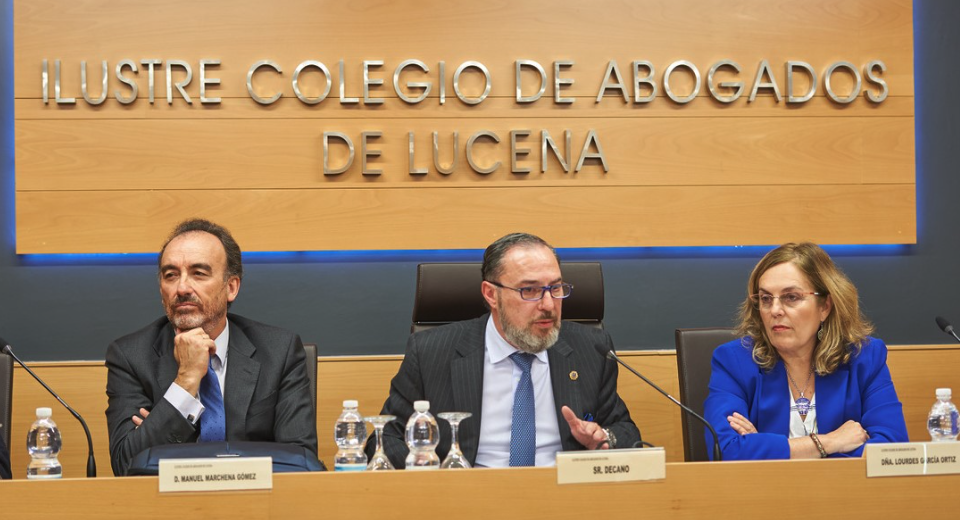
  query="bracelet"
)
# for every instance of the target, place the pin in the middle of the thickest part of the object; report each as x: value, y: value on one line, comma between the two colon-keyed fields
x: 611, y: 439
x: 816, y: 440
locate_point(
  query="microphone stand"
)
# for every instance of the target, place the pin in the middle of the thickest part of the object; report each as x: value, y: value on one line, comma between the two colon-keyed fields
x: 91, y: 463
x: 717, y: 454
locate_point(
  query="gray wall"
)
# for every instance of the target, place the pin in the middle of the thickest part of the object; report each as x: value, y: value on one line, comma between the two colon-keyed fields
x: 66, y: 308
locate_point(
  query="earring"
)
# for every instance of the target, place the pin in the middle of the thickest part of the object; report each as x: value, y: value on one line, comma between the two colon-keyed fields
x: 820, y: 332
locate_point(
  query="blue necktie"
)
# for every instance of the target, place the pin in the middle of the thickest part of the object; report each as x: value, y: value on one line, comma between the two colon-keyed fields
x: 523, y: 429
x: 213, y: 423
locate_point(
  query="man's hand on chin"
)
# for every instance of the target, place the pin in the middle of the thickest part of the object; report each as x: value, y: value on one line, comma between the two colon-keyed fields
x: 192, y: 350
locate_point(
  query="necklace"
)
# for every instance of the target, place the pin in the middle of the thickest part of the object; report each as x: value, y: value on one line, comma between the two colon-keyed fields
x: 803, y: 404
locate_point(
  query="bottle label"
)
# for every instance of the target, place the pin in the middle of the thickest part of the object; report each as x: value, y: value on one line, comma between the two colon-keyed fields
x: 349, y: 467
x: 43, y: 476
x: 422, y: 468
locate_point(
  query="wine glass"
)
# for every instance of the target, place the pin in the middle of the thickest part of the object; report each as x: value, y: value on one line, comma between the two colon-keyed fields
x: 379, y: 461
x: 455, y: 458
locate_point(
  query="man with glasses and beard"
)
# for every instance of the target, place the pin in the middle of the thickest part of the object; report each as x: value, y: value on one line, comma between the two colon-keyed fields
x: 534, y: 385
x: 198, y: 373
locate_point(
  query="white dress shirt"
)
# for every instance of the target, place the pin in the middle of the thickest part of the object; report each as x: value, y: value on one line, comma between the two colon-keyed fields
x: 189, y: 406
x: 500, y: 378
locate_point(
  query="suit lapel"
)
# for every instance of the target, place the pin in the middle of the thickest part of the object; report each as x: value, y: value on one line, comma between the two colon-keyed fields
x: 466, y: 376
x: 566, y: 391
x: 773, y: 399
x: 242, y: 374
x: 833, y: 388
x: 167, y: 366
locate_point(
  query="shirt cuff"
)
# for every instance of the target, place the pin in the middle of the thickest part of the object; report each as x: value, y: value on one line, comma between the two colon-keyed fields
x: 189, y: 406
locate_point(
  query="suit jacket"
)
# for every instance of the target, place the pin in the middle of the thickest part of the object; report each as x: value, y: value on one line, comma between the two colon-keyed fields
x: 860, y: 390
x: 4, y: 460
x: 266, y: 398
x: 445, y: 366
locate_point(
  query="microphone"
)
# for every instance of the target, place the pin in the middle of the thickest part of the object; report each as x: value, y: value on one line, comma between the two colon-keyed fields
x: 91, y: 463
x: 610, y: 354
x: 946, y: 327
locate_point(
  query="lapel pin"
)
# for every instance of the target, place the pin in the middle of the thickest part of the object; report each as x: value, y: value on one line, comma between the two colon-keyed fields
x: 574, y: 375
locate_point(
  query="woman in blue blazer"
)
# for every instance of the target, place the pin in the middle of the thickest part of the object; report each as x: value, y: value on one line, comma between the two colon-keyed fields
x: 806, y: 380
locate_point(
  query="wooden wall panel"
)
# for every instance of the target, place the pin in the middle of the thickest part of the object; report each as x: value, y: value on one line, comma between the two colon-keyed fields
x: 117, y: 221
x: 83, y: 385
x: 494, y: 107
x: 495, y: 33
x: 916, y: 371
x: 150, y: 165
x: 288, y: 154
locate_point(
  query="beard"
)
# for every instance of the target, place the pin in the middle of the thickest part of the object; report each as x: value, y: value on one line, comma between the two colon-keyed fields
x: 524, y: 338
x: 203, y: 316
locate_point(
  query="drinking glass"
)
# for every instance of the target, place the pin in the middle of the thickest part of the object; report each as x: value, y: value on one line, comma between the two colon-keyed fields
x: 455, y: 458
x: 379, y: 461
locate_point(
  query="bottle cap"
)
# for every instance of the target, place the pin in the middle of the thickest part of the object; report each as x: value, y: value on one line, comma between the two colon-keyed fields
x: 44, y: 413
x: 944, y: 393
x: 350, y: 403
x: 421, y: 406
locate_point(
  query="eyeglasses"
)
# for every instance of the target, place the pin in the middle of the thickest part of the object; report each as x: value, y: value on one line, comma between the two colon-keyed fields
x: 533, y: 294
x: 790, y: 299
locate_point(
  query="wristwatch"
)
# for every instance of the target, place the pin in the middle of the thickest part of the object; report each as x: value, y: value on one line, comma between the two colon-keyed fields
x: 611, y: 438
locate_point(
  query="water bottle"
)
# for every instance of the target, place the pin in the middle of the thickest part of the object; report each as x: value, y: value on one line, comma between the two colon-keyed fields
x: 350, y: 433
x: 43, y: 444
x: 942, y: 421
x: 422, y: 437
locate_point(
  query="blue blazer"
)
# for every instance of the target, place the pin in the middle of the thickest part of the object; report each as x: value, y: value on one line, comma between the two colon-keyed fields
x: 861, y: 391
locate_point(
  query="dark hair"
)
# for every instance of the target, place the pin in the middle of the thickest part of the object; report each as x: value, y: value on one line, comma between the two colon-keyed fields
x: 844, y: 331
x: 492, y: 267
x: 230, y: 246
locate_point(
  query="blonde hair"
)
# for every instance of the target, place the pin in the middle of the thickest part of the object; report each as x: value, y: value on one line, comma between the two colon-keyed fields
x: 844, y: 331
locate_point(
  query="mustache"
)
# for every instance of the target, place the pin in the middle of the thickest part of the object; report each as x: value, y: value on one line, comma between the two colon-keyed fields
x: 546, y: 316
x: 189, y: 298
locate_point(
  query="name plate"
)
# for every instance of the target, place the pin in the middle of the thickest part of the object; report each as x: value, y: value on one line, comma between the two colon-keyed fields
x: 580, y: 467
x: 216, y: 474
x: 912, y: 458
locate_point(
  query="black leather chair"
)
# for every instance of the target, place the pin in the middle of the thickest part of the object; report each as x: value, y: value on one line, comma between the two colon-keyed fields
x: 6, y: 396
x: 694, y: 352
x: 449, y: 292
x: 310, y: 350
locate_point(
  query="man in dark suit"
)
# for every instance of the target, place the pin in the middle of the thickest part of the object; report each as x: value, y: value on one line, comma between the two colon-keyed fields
x: 490, y: 365
x: 164, y: 381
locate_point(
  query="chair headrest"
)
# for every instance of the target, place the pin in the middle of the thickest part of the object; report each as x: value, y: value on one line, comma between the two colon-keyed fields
x: 449, y: 292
